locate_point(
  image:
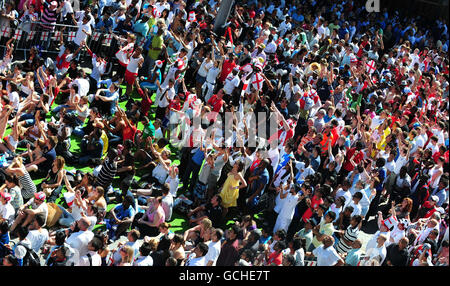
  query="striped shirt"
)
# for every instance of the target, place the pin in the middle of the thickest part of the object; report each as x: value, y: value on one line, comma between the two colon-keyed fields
x: 48, y: 16
x: 28, y: 187
x: 106, y: 174
x: 351, y: 234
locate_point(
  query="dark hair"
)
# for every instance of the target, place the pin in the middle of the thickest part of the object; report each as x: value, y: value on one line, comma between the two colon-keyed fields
x: 145, y: 249
x: 298, y: 242
x: 332, y: 215
x: 60, y: 237
x: 4, y: 227
x: 40, y: 219
x: 203, y: 248
x: 171, y: 261
x: 97, y: 243
x: 22, y: 232
x: 358, y: 195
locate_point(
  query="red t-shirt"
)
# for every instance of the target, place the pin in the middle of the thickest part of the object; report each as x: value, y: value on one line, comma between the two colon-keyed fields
x: 275, y: 258
x: 315, y: 203
x: 129, y: 132
x: 358, y: 157
x: 146, y: 102
x: 227, y: 67
x: 216, y: 103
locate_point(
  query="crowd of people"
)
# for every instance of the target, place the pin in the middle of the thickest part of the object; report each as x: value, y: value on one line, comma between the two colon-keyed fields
x: 279, y: 137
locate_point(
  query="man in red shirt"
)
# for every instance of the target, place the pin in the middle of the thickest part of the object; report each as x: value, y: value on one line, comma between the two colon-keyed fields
x: 228, y: 65
x: 216, y: 101
x: 354, y: 155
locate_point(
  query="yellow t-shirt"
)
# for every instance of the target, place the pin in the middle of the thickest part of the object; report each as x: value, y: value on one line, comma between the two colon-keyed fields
x: 104, y: 137
x: 325, y: 228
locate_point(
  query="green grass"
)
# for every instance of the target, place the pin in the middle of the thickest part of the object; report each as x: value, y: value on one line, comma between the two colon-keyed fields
x: 178, y: 222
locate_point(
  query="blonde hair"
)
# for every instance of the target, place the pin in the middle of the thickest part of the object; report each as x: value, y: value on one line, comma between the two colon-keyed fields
x: 206, y: 222
x: 130, y: 252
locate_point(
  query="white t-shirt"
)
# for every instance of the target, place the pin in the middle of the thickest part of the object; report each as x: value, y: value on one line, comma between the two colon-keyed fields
x: 200, y: 261
x: 143, y: 261
x: 170, y: 95
x: 356, y: 208
x: 204, y: 68
x: 212, y: 74
x: 37, y: 238
x: 80, y: 240
x: 231, y: 83
x: 14, y: 99
x: 80, y: 35
x: 377, y: 251
x: 95, y: 258
x: 213, y: 252
x: 7, y: 212
x: 346, y: 194
x: 288, y: 208
x: 83, y: 86
x: 167, y: 205
x: 173, y: 184
x: 326, y: 257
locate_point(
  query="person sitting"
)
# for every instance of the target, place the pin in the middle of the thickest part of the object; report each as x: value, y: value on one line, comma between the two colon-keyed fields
x: 211, y: 210
x: 120, y: 218
x: 26, y: 215
x: 148, y: 222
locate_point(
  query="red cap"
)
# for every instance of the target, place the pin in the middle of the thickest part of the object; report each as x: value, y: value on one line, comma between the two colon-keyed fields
x: 252, y: 14
x: 39, y: 196
x: 6, y: 196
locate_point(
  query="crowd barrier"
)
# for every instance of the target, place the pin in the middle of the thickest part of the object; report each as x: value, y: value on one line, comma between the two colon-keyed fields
x: 30, y: 34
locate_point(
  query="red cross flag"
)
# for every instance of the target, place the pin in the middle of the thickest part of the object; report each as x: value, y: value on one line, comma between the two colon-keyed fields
x: 107, y: 40
x: 96, y: 36
x: 257, y: 81
x: 44, y: 36
x: 142, y: 42
x: 56, y: 35
x: 31, y: 35
x: 5, y: 31
x: 18, y: 35
x: 370, y: 66
x: 71, y: 36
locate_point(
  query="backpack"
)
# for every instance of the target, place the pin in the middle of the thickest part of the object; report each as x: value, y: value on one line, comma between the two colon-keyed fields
x: 31, y: 258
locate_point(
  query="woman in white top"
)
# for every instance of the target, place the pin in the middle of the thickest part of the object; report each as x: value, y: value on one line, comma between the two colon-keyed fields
x: 202, y: 73
x: 436, y: 173
x: 161, y: 171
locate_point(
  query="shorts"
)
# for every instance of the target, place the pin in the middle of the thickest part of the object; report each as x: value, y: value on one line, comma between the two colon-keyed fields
x: 199, y: 79
x: 130, y: 78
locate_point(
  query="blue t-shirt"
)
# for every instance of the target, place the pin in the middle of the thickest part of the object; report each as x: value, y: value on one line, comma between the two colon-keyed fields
x: 4, y: 238
x: 198, y: 157
x: 122, y: 213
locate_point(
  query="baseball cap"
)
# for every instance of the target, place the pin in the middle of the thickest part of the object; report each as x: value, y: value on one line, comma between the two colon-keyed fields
x: 39, y: 196
x: 6, y: 196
